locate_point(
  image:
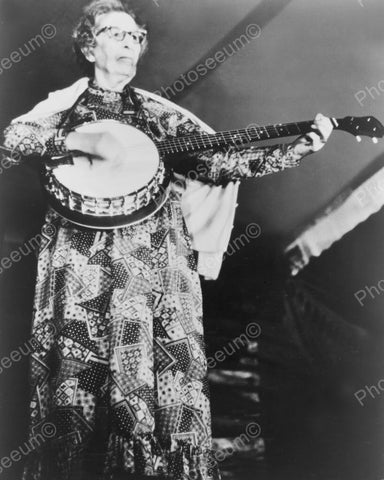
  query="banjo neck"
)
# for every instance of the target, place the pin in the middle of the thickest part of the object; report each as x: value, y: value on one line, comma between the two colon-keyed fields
x: 358, y: 126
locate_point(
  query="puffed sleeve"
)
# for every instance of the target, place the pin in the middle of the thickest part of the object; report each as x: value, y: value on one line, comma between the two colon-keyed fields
x: 38, y: 137
x: 223, y: 164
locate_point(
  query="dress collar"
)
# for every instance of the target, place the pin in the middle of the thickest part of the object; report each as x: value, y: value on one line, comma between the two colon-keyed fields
x: 126, y: 96
x: 126, y: 92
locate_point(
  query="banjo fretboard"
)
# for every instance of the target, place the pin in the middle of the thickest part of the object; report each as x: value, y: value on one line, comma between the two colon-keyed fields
x: 358, y: 126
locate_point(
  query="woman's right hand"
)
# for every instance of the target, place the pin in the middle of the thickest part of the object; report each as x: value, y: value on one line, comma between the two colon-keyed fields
x: 99, y: 146
x: 108, y: 147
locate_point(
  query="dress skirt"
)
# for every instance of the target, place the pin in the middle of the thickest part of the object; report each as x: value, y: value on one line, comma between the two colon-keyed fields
x: 118, y: 369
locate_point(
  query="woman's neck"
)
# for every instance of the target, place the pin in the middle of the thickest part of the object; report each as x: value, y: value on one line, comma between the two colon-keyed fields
x: 112, y: 82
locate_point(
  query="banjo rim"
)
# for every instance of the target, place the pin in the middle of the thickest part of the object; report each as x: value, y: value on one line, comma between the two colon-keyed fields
x: 111, y: 222
x: 108, y: 212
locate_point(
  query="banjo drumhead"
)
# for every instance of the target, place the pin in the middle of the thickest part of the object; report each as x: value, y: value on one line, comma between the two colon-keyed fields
x: 103, y: 178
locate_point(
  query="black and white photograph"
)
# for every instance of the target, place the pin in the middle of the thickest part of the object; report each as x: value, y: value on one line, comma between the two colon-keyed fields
x: 191, y: 240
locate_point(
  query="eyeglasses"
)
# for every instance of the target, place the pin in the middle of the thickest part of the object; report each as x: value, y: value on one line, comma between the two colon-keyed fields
x: 119, y: 35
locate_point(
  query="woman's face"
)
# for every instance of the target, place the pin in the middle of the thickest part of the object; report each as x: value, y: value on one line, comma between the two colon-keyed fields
x: 111, y: 56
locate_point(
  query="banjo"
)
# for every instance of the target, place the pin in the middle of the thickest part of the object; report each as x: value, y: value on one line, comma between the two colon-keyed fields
x: 105, y: 195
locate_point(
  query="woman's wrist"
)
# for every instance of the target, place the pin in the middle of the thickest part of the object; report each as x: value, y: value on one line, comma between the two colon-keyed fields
x: 56, y: 148
x: 303, y: 146
x: 56, y: 145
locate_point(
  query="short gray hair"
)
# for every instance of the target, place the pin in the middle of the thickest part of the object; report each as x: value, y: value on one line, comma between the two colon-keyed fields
x: 83, y: 32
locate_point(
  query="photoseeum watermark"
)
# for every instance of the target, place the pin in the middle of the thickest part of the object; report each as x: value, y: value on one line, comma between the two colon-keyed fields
x: 32, y: 246
x: 252, y: 32
x: 252, y: 331
x: 373, y: 390
x: 48, y: 430
x: 373, y: 291
x: 373, y: 91
x: 47, y: 32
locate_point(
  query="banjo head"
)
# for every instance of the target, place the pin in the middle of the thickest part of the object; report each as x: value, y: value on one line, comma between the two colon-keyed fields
x: 102, y: 178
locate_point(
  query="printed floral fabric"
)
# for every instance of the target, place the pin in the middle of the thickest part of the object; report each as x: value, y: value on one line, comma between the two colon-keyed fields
x: 118, y: 371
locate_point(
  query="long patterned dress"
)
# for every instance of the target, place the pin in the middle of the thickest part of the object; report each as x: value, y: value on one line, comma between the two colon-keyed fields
x: 118, y: 371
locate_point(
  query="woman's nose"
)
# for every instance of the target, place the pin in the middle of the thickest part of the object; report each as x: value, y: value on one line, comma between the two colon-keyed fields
x: 128, y: 41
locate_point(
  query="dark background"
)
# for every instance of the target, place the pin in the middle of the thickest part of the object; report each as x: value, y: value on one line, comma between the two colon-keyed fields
x: 311, y: 56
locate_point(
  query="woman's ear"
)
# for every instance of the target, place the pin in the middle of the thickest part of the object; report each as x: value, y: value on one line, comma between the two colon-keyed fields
x: 88, y: 53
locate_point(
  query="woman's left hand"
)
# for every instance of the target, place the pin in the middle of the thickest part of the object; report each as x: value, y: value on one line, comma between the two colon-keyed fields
x: 322, y: 127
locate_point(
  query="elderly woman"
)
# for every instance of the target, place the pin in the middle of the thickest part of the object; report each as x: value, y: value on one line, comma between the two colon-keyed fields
x: 118, y: 373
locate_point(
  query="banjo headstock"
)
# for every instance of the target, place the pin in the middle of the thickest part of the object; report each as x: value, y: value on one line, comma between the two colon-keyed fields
x: 361, y: 127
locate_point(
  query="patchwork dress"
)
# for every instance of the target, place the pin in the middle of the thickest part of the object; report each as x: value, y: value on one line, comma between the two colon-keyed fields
x: 118, y: 370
